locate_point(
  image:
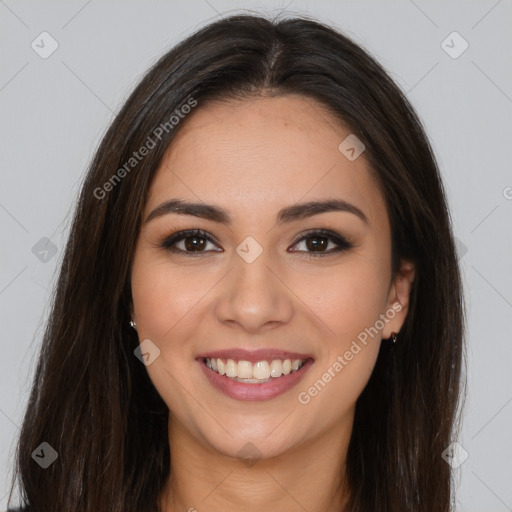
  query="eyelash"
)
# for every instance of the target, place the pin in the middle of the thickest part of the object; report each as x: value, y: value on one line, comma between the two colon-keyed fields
x: 169, y: 242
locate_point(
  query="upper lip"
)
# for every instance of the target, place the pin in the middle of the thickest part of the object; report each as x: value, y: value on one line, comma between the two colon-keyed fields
x: 263, y: 354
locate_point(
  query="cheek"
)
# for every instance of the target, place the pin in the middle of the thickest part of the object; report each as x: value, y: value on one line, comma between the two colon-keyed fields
x: 164, y: 300
x: 347, y: 298
x: 349, y: 301
x: 163, y: 295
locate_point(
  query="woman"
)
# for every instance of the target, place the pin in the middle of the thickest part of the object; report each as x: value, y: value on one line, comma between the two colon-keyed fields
x: 259, y: 303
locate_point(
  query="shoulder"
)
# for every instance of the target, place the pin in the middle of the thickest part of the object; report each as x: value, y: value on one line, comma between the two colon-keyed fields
x: 18, y: 509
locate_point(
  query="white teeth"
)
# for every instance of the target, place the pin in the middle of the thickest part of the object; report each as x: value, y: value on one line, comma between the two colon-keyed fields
x: 276, y: 368
x: 261, y: 370
x: 245, y: 371
x: 231, y: 368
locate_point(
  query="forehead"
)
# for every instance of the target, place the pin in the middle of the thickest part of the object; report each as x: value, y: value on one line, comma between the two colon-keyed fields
x: 257, y: 154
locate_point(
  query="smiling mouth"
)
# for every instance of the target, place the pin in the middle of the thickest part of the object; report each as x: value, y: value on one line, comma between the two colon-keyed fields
x: 254, y: 375
x: 257, y: 372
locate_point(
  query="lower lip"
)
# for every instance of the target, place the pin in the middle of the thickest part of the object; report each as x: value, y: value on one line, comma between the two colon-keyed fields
x: 255, y: 392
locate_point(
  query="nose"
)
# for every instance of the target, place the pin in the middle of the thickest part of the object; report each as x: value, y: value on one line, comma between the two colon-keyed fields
x: 254, y: 297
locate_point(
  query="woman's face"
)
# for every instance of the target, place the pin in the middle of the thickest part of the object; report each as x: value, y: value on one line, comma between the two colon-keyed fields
x: 267, y: 289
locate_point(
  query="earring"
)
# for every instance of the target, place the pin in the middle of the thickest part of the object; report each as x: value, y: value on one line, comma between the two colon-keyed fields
x: 133, y: 324
x: 393, y: 337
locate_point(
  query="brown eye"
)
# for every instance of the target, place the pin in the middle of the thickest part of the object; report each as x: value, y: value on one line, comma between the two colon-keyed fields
x: 193, y: 243
x: 316, y: 243
x: 189, y: 242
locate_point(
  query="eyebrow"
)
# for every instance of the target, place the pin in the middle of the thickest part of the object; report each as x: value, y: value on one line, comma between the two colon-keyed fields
x: 286, y: 215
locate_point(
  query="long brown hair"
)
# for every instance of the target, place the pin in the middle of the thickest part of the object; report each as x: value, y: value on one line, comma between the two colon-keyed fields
x: 92, y: 400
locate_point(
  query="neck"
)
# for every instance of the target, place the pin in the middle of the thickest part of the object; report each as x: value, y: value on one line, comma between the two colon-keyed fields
x: 309, y: 477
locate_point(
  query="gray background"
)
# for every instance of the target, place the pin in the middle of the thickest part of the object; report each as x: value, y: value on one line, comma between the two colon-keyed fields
x: 55, y: 110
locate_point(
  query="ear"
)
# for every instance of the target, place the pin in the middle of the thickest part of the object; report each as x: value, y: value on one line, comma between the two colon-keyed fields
x: 398, y: 299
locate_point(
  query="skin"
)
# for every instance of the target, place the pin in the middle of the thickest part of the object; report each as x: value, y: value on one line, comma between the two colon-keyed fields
x: 254, y: 157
